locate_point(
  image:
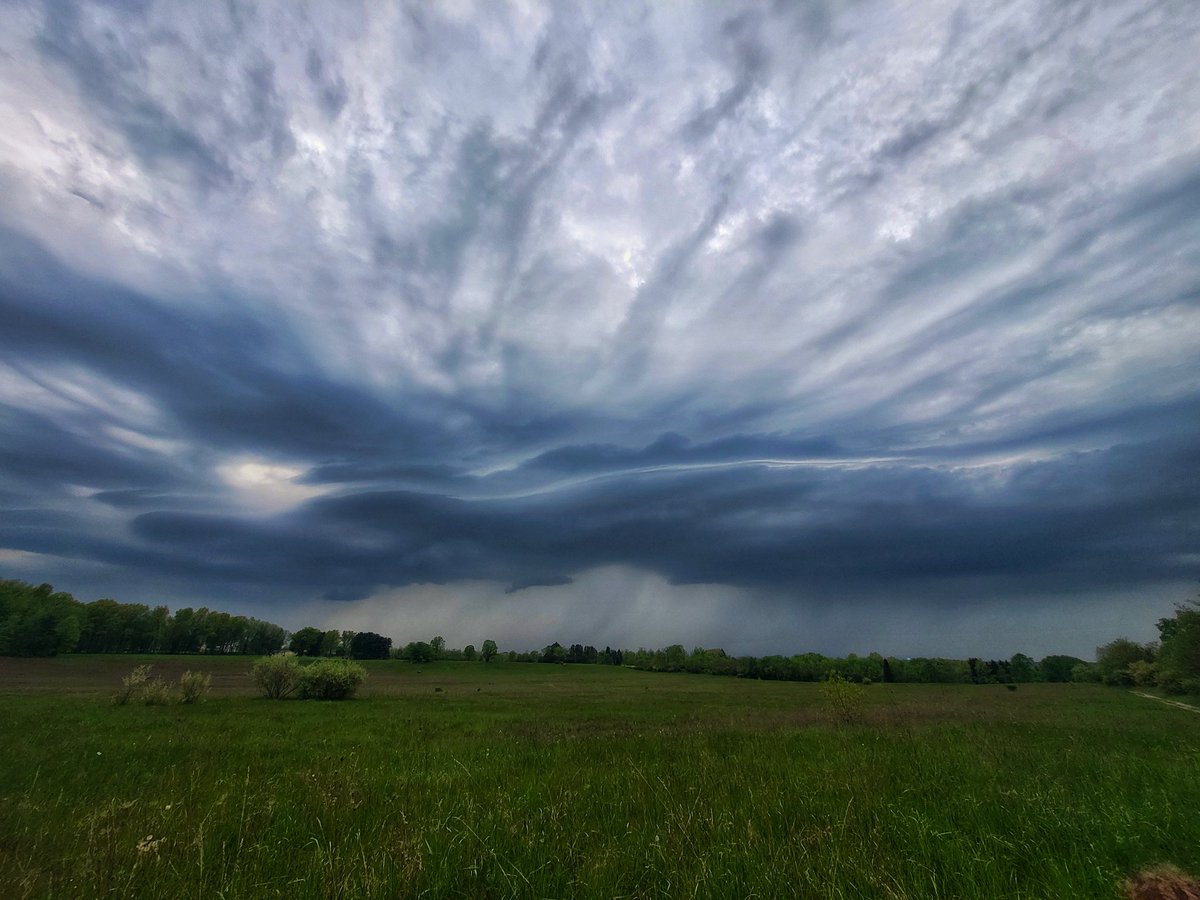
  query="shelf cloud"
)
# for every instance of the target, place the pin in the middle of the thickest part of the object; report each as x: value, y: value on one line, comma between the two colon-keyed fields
x: 459, y: 313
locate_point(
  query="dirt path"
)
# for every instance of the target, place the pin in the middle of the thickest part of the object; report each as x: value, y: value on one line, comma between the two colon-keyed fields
x: 1195, y: 709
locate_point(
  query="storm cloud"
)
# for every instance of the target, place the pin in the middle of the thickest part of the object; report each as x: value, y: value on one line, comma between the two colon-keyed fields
x: 782, y: 322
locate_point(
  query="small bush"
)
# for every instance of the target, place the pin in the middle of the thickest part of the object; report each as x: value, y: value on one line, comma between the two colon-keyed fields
x: 131, y: 685
x: 1143, y: 673
x: 1011, y: 686
x: 276, y: 676
x: 142, y: 687
x: 330, y: 679
x: 1172, y: 681
x: 193, y: 686
x: 156, y: 692
x: 841, y: 698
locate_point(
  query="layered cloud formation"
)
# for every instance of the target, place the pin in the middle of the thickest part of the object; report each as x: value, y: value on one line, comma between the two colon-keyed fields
x: 845, y: 308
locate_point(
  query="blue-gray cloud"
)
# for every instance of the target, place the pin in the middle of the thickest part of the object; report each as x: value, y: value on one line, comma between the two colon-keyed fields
x: 822, y: 301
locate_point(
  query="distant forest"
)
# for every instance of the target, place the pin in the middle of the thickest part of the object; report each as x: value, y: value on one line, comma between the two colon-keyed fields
x: 39, y: 621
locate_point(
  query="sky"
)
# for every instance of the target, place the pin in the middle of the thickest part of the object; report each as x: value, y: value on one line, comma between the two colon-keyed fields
x: 773, y: 327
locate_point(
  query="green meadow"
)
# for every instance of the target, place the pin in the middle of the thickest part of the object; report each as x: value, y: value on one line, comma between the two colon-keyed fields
x: 457, y: 779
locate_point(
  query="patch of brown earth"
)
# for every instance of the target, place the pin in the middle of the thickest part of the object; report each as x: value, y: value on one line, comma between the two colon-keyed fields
x: 1162, y: 883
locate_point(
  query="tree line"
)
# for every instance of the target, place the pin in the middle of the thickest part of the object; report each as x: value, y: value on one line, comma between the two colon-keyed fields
x: 816, y: 666
x: 39, y: 621
x: 1172, y: 663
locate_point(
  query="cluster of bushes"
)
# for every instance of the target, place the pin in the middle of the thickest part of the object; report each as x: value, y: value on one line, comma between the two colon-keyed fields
x: 1172, y: 663
x: 140, y: 686
x: 283, y: 676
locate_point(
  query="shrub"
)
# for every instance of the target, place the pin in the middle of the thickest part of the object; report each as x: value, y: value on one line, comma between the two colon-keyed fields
x: 841, y: 698
x: 330, y: 679
x: 131, y: 685
x: 143, y: 687
x: 1170, y: 681
x: 156, y: 692
x: 1142, y: 672
x: 193, y: 686
x: 1115, y: 657
x: 276, y: 676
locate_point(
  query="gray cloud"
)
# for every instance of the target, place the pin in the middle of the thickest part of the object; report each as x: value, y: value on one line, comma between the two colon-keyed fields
x: 784, y: 305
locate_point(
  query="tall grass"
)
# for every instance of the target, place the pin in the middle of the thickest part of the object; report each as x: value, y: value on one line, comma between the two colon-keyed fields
x: 513, y: 781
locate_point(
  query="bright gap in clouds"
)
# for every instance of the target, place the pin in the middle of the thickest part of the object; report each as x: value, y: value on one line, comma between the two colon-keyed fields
x: 267, y: 487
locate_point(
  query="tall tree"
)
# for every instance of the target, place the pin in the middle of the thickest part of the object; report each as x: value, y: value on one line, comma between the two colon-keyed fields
x: 307, y: 641
x: 369, y: 645
x: 1114, y: 658
x: 1179, y: 656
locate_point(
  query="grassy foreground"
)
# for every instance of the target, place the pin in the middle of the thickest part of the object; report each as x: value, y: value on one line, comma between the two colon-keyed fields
x: 511, y: 780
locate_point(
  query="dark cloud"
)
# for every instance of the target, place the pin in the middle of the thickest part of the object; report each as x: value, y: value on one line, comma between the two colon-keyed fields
x: 615, y: 308
x: 235, y: 376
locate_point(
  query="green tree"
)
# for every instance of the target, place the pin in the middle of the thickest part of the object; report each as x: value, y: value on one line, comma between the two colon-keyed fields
x: 1114, y: 658
x: 369, y: 645
x: 488, y: 651
x: 37, y: 621
x: 263, y: 638
x: 419, y: 652
x: 182, y: 632
x: 331, y: 643
x: 439, y: 646
x: 1057, y: 668
x: 469, y: 652
x: 1022, y: 668
x: 307, y: 641
x: 1179, y: 656
x: 100, y: 630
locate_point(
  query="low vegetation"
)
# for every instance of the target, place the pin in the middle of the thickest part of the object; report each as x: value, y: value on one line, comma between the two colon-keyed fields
x: 843, y: 699
x: 498, y: 780
x: 194, y: 686
x: 1171, y: 664
x: 283, y: 676
x: 330, y: 679
x: 277, y: 676
x: 141, y: 686
x: 37, y: 621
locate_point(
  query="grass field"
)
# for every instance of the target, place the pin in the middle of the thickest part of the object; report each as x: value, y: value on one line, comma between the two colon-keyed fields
x: 517, y: 780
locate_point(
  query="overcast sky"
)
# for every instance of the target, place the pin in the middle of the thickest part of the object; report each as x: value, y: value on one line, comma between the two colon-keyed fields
x: 804, y: 326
